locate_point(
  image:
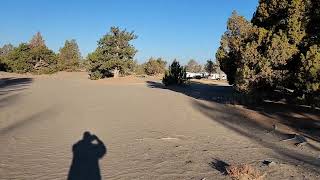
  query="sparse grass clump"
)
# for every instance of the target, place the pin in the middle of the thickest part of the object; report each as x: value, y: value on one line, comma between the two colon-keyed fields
x: 243, y: 171
x: 238, y: 172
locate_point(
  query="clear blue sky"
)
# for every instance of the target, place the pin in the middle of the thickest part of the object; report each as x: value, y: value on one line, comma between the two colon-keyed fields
x: 182, y: 29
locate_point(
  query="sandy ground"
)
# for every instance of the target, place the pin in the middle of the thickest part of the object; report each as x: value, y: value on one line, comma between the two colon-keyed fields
x: 150, y: 132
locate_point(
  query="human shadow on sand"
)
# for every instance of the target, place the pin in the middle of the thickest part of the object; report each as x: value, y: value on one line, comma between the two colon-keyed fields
x: 86, y: 155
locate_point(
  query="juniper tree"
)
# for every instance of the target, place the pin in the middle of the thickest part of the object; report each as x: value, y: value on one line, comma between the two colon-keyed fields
x: 32, y: 57
x: 69, y: 56
x: 210, y: 67
x: 281, y: 50
x: 313, y: 27
x: 228, y: 54
x: 114, y: 52
x: 19, y: 59
x: 6, y: 49
x: 309, y: 75
x: 155, y: 66
x: 176, y: 75
x: 37, y: 41
x: 274, y: 48
x: 41, y: 57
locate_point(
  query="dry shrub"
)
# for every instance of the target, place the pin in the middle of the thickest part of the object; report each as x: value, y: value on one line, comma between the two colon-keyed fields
x: 243, y: 172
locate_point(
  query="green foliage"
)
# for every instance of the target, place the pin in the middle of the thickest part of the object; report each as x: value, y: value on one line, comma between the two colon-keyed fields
x: 313, y: 27
x: 3, y: 64
x: 37, y: 41
x: 19, y: 60
x: 139, y: 68
x: 155, y: 66
x: 34, y: 57
x: 69, y: 56
x: 43, y: 60
x: 309, y: 75
x: 114, y: 52
x: 228, y: 54
x: 277, y: 49
x: 4, y: 51
x: 94, y: 66
x: 193, y: 66
x: 176, y: 75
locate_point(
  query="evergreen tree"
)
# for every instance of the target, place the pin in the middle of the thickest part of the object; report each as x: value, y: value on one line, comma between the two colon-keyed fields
x: 313, y: 27
x: 210, y: 67
x: 114, y: 52
x: 176, y: 75
x: 6, y: 49
x: 33, y: 57
x: 297, y: 21
x: 69, y: 56
x: 41, y: 58
x: 279, y: 48
x: 37, y: 41
x: 271, y: 14
x: 228, y: 54
x: 155, y: 66
x: 309, y: 75
x: 19, y: 59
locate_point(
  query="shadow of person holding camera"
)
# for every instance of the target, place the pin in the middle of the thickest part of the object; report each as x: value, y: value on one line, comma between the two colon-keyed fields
x: 86, y: 155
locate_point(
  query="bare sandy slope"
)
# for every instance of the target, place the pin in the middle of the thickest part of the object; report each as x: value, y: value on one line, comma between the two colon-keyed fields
x: 150, y: 132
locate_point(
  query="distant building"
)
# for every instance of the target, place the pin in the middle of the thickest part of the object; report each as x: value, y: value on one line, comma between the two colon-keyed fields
x: 214, y: 76
x: 191, y: 75
x: 218, y: 76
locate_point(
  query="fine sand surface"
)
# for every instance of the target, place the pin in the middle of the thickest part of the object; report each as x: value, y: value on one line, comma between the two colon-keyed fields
x: 150, y: 132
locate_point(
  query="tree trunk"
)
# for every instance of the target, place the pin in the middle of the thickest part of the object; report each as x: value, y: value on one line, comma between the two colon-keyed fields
x: 116, y: 73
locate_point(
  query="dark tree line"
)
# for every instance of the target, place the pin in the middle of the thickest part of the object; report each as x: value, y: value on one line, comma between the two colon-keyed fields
x: 36, y: 57
x: 278, y: 49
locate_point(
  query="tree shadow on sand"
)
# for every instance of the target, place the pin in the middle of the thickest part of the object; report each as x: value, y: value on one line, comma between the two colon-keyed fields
x: 214, y: 104
x: 301, y: 119
x: 86, y: 155
x: 13, y: 84
x: 9, y: 88
x: 197, y: 90
x: 10, y: 92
